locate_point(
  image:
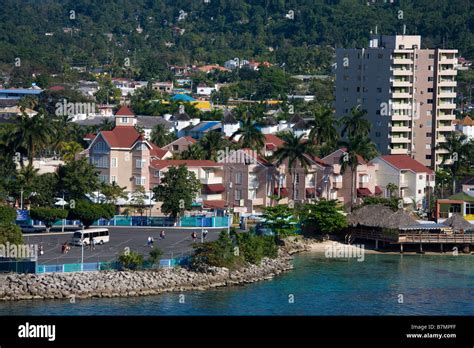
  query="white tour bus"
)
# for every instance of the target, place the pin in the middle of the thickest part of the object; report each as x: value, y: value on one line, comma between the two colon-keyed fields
x: 100, y: 236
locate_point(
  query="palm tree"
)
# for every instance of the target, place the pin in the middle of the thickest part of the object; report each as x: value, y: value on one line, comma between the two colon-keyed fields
x: 323, y: 129
x: 32, y: 134
x: 356, y: 124
x: 356, y: 148
x: 250, y: 136
x: 160, y: 136
x: 70, y: 150
x: 211, y: 143
x: 194, y: 152
x: 460, y: 151
x: 295, y: 151
x: 106, y: 125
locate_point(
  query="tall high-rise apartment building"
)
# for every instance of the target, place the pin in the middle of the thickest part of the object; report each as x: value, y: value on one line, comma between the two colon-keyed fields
x: 408, y: 93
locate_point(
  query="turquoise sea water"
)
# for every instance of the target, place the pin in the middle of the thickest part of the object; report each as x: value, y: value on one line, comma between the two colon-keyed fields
x: 427, y: 284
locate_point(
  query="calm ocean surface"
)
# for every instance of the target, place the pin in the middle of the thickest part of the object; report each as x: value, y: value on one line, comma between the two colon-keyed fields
x: 429, y: 284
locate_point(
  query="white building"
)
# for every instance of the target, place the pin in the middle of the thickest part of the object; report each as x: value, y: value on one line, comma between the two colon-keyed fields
x: 465, y: 126
x: 415, y: 182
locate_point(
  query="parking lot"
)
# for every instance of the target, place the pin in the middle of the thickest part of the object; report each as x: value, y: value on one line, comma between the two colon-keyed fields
x: 175, y: 244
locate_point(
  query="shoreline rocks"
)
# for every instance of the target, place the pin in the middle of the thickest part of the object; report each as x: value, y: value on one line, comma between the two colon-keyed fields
x: 81, y: 285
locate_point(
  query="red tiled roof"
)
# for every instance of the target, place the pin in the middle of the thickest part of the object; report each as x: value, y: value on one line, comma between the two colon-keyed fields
x: 363, y: 192
x: 121, y: 136
x: 156, y: 151
x: 160, y: 164
x: 124, y: 111
x: 214, y: 188
x: 57, y: 88
x: 273, y: 139
x: 190, y: 139
x: 214, y: 204
x: 405, y: 162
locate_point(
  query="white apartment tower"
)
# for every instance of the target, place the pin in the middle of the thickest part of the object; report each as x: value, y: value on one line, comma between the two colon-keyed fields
x: 408, y: 93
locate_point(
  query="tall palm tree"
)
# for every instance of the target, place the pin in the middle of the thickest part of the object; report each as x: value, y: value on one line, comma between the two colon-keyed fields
x: 194, y: 152
x: 70, y: 149
x: 355, y: 124
x: 250, y: 136
x: 323, y: 129
x: 356, y: 148
x: 460, y: 151
x: 211, y: 143
x: 32, y: 134
x: 295, y: 151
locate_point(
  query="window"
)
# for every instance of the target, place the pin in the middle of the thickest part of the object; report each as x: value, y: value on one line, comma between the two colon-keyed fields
x: 238, y: 178
x: 139, y: 163
x: 175, y: 147
x: 430, y: 78
x: 140, y: 180
x: 103, y: 178
x: 124, y: 119
x: 377, y: 134
x: 420, y: 177
x: 252, y: 194
x: 238, y: 195
x: 113, y: 179
x: 430, y: 67
x: 141, y: 147
x: 156, y: 174
x: 113, y: 162
x: 469, y: 208
x: 100, y: 161
x: 431, y: 56
x: 419, y: 191
x: 428, y: 157
x: 430, y: 101
x: 429, y: 134
x: 100, y: 147
x: 379, y: 90
x: 430, y: 90
x: 297, y: 178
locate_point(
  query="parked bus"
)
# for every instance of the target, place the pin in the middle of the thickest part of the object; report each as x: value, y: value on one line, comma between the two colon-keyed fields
x: 100, y: 236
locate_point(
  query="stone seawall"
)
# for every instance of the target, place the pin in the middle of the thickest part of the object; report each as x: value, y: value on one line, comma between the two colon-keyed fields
x: 139, y: 283
x: 132, y: 283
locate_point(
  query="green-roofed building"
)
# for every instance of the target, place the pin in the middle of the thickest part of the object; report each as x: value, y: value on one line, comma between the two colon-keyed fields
x: 461, y: 203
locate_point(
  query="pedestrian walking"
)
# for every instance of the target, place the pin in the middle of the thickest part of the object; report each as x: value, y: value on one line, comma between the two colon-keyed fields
x: 204, y: 234
x: 162, y: 234
x: 148, y: 242
x: 194, y: 236
x: 91, y: 242
x: 40, y: 249
x: 151, y: 242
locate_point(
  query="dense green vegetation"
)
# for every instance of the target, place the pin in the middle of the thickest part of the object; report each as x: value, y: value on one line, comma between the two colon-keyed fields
x: 9, y: 232
x: 234, y: 250
x: 215, y: 31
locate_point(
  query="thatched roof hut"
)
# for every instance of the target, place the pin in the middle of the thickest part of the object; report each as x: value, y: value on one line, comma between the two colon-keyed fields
x: 379, y: 215
x: 457, y: 222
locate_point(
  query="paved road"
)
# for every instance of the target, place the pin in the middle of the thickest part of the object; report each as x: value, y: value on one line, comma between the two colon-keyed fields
x: 176, y: 243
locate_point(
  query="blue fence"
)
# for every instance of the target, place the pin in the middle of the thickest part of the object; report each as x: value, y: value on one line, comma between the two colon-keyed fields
x: 104, y: 266
x: 158, y: 221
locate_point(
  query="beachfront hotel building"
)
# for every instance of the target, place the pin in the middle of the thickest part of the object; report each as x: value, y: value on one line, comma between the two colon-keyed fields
x: 408, y: 92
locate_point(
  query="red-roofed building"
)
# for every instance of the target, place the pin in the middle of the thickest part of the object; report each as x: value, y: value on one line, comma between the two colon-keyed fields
x: 249, y: 179
x: 123, y: 156
x: 180, y: 145
x: 339, y: 183
x: 210, y: 174
x: 414, y: 181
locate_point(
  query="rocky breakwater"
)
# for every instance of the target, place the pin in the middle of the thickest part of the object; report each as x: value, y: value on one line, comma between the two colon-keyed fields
x: 133, y: 283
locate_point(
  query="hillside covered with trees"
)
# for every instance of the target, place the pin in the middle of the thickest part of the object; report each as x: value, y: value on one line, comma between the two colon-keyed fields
x: 50, y: 36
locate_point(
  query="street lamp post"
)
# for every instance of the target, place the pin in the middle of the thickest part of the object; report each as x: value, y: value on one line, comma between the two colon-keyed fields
x: 62, y: 204
x: 82, y: 249
x: 21, y: 199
